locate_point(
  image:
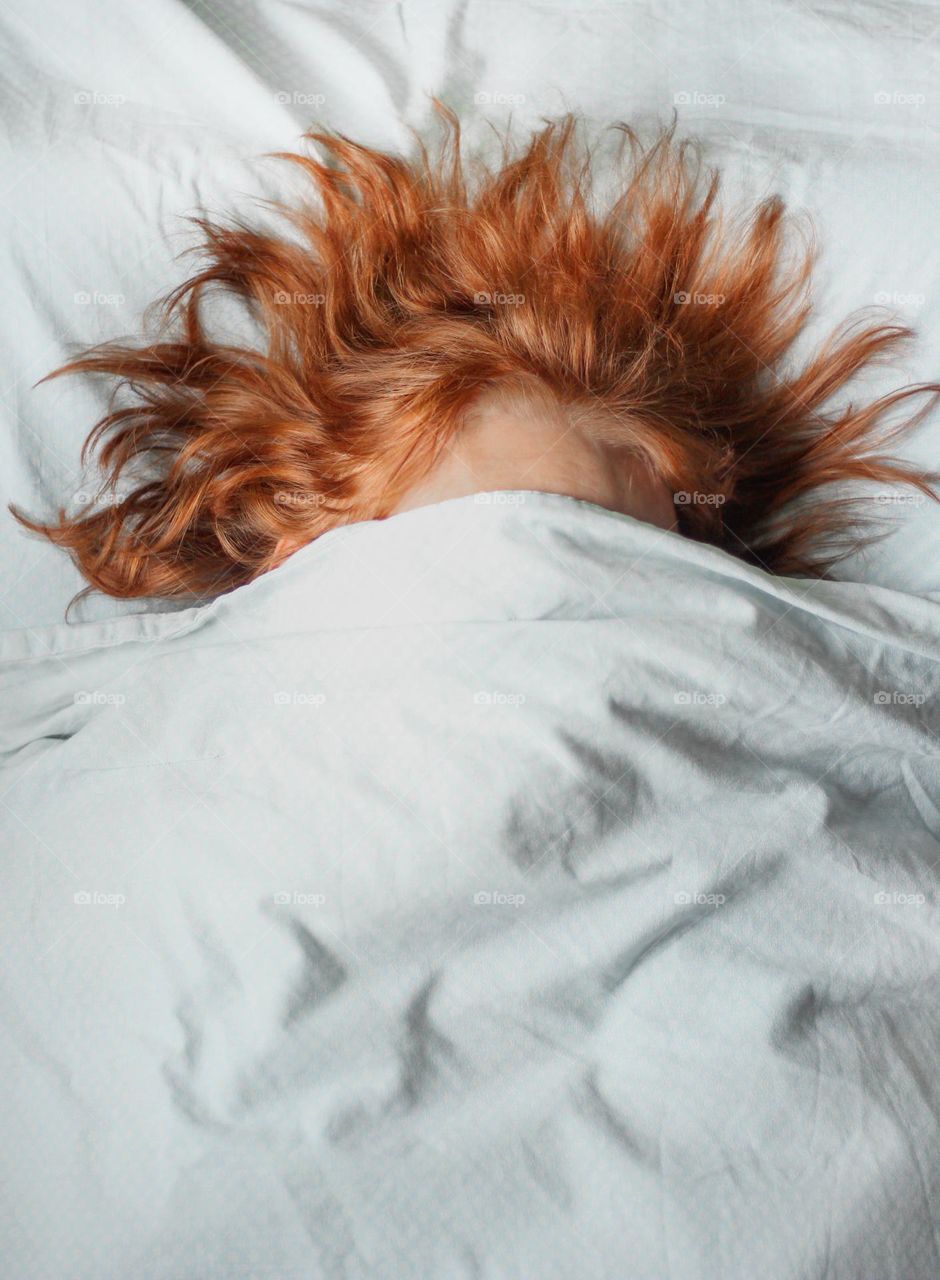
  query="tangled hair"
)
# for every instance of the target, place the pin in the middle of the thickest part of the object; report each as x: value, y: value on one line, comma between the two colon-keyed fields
x: 391, y: 302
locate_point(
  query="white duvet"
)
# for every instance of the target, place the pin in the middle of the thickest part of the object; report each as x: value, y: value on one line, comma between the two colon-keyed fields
x: 506, y: 889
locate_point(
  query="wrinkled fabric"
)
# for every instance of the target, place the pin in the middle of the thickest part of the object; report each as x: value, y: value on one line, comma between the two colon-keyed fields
x: 505, y: 889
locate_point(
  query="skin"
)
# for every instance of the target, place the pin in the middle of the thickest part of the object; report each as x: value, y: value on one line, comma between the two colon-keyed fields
x: 535, y: 443
x: 527, y: 440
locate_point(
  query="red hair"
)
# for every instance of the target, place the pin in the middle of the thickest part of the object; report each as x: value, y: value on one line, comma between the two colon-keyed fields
x: 411, y: 288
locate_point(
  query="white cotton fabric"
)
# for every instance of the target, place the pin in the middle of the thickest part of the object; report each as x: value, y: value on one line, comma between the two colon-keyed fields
x: 505, y: 889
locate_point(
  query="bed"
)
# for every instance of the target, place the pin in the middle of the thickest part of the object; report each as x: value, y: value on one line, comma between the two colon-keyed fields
x: 335, y: 944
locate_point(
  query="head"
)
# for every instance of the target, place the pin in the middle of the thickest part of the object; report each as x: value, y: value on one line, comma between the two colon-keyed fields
x: 519, y: 435
x: 423, y: 318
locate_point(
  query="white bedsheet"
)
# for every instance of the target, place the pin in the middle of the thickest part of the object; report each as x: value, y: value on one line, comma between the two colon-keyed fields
x: 120, y: 118
x: 507, y: 889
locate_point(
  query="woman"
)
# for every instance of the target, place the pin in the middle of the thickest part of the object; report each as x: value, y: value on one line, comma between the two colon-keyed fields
x: 500, y: 884
x: 434, y: 331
